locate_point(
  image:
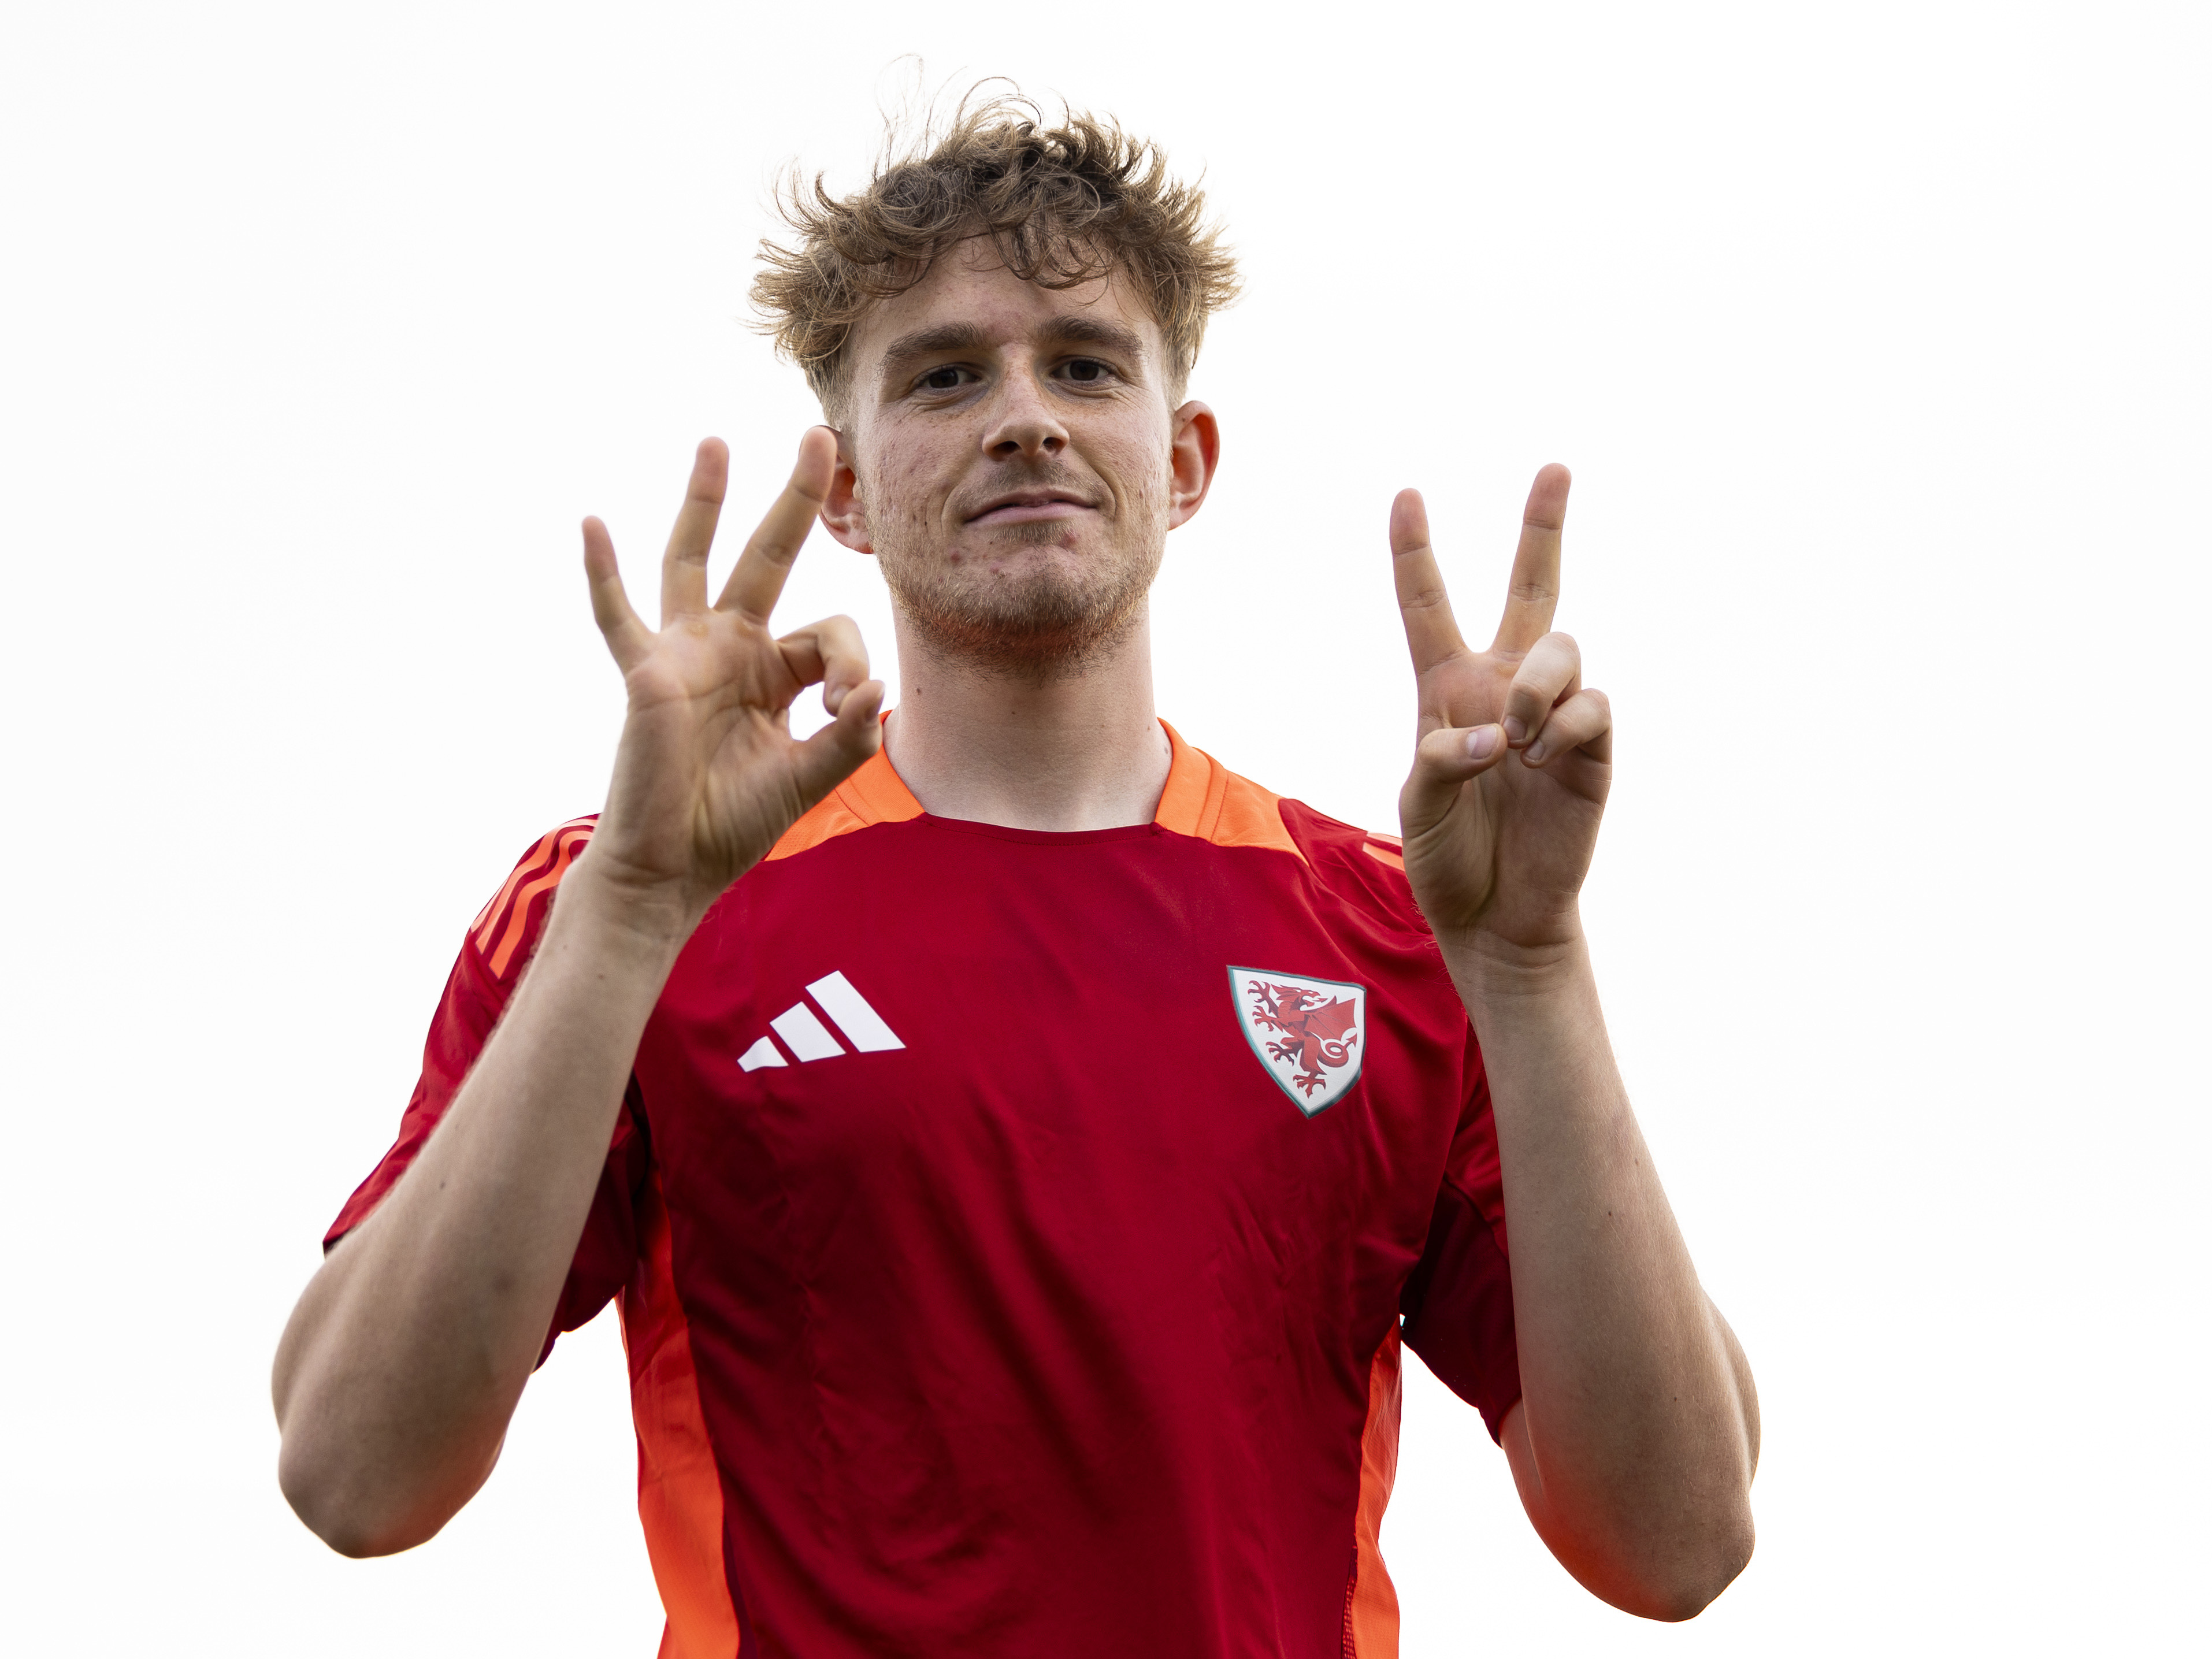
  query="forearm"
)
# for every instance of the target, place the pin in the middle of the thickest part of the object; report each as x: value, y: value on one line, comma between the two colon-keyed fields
x: 403, y: 1362
x: 1637, y: 1428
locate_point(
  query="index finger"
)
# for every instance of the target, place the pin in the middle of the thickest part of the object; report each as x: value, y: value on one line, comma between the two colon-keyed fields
x: 1432, y: 632
x: 758, y: 581
x: 1534, y: 592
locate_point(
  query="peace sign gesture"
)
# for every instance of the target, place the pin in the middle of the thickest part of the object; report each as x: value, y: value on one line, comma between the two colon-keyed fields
x: 707, y: 776
x: 1500, y: 813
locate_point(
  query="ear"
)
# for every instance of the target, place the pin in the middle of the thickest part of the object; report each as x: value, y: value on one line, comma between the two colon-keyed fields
x: 843, y: 515
x: 1193, y: 453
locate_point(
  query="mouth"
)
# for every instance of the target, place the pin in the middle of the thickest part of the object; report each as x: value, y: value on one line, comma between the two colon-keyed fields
x: 1032, y: 506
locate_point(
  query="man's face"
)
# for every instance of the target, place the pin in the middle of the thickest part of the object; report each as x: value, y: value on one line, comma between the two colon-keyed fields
x: 1012, y: 459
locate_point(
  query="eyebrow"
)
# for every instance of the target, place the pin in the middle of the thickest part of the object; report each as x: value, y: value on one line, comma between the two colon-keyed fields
x: 1095, y: 331
x: 929, y: 342
x: 910, y: 349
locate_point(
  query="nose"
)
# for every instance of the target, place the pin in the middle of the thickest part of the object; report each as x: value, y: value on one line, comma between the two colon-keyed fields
x: 1023, y: 425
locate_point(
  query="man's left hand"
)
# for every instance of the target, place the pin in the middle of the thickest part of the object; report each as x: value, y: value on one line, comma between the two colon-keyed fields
x: 1500, y: 813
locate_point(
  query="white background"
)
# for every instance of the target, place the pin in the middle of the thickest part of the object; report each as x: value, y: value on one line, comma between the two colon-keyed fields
x: 1877, y: 337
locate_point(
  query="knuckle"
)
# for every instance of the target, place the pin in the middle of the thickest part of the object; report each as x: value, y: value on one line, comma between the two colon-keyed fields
x: 1424, y: 597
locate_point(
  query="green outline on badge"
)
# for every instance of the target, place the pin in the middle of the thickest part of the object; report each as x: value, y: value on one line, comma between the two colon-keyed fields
x: 1252, y: 1035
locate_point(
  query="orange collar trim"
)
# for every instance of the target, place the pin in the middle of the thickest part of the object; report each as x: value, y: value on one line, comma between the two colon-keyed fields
x: 1191, y: 803
x: 1203, y: 798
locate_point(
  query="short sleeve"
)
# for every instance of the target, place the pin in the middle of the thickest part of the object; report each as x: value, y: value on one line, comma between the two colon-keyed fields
x: 1458, y: 1301
x: 492, y: 957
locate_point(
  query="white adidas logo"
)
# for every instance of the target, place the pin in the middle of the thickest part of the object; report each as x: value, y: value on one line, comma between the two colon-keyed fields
x: 806, y: 1035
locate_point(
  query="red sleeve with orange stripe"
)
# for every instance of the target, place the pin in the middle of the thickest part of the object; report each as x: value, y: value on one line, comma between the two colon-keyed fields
x: 490, y: 964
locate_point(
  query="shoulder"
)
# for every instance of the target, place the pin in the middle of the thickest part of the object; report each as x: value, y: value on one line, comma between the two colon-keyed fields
x: 504, y: 932
x: 1364, y: 869
x: 1360, y: 868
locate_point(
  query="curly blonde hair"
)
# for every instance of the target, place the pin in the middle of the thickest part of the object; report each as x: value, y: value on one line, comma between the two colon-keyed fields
x: 1064, y: 204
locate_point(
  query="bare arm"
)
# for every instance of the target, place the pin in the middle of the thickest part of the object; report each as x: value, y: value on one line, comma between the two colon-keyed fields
x: 1638, y: 1430
x: 403, y: 1362
x: 1637, y: 1435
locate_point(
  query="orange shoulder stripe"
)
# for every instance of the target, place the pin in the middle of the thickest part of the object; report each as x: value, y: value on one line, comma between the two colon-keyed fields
x: 518, y: 914
x: 1204, y: 798
x: 529, y: 864
x: 532, y: 862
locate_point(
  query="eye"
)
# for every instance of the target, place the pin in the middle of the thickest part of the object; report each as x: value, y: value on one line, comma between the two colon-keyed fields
x: 947, y: 377
x: 1087, y: 371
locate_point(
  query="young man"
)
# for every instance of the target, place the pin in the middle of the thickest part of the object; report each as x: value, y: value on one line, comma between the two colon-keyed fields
x: 1017, y: 1142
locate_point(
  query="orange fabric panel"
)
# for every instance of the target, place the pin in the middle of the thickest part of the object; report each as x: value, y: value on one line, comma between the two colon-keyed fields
x: 1204, y: 798
x: 679, y: 1490
x: 874, y: 793
x: 1250, y: 816
x: 1194, y: 786
x: 1373, y: 1614
x: 876, y: 790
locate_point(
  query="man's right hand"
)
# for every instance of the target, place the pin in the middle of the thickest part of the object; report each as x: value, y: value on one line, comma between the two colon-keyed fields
x: 707, y: 776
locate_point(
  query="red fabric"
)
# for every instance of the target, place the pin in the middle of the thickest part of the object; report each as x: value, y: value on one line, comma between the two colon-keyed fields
x: 1050, y: 1331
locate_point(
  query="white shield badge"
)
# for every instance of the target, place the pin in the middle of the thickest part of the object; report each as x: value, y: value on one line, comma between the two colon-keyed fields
x: 1310, y: 1033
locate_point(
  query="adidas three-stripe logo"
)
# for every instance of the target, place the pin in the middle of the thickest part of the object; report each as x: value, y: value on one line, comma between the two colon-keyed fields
x: 806, y: 1035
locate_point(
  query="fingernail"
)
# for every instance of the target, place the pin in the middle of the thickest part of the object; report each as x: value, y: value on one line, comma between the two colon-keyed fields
x: 1534, y: 754
x: 1481, y: 743
x: 1516, y: 729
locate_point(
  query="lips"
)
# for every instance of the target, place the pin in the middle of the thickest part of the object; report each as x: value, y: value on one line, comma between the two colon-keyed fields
x: 1032, y: 506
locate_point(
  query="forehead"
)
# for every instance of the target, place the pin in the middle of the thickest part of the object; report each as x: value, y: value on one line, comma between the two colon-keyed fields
x: 972, y: 288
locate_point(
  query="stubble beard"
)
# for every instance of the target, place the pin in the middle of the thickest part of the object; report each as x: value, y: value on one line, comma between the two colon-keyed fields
x: 1043, y: 623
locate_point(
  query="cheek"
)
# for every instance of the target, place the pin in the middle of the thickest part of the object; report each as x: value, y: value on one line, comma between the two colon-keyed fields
x: 898, y: 480
x: 1146, y: 471
x: 1135, y: 459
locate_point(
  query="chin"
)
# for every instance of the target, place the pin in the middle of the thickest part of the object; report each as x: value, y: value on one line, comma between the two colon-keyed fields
x: 1063, y: 535
x: 1041, y: 619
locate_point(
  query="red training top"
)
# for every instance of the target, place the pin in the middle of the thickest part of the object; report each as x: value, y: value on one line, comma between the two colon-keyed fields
x: 1013, y: 1230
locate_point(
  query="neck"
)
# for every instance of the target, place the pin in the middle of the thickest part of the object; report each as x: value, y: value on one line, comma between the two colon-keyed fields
x: 1083, y: 752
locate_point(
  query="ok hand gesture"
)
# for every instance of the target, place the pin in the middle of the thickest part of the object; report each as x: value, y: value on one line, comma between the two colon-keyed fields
x: 707, y: 776
x: 1501, y: 812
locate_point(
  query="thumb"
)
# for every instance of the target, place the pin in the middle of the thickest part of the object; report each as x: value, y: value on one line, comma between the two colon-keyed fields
x: 1444, y: 760
x: 827, y: 758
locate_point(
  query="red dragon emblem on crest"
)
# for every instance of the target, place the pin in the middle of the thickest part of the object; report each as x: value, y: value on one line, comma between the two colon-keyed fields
x: 1311, y: 1029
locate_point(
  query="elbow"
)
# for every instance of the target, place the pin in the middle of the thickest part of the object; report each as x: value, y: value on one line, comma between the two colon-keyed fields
x: 1685, y: 1583
x: 357, y: 1542
x: 343, y: 1510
